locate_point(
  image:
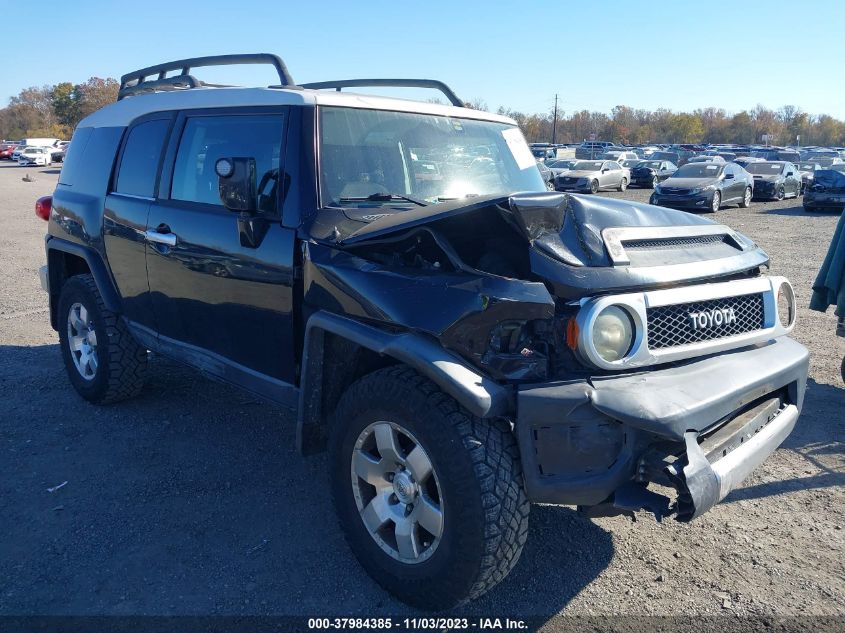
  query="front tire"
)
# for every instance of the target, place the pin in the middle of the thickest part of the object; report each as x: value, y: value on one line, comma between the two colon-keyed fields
x: 397, y: 441
x: 594, y: 186
x: 716, y: 203
x: 623, y: 185
x: 104, y: 363
x: 746, y: 199
x: 781, y: 193
x: 654, y: 182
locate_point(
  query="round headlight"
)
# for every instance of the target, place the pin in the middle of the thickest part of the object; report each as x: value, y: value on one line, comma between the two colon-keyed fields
x: 786, y: 305
x: 613, y: 333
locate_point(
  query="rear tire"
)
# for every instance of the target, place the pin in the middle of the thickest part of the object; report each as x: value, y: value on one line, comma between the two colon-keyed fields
x: 475, y: 467
x: 104, y: 363
x: 654, y: 182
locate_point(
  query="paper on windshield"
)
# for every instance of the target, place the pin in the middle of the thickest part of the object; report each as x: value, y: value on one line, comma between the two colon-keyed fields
x: 519, y: 148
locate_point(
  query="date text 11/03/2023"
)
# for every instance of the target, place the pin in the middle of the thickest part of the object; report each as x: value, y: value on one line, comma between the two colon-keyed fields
x: 411, y: 624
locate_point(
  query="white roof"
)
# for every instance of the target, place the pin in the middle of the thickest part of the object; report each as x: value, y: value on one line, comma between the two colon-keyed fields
x: 123, y: 112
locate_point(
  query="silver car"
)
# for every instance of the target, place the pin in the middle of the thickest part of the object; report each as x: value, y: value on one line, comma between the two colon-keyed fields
x: 591, y: 176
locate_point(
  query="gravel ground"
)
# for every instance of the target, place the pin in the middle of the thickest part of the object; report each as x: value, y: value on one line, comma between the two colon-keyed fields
x: 191, y: 499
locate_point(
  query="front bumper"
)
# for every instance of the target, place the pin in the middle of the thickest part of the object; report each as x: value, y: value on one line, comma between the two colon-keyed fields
x: 683, y: 201
x: 764, y: 190
x: 599, y: 442
x: 824, y: 200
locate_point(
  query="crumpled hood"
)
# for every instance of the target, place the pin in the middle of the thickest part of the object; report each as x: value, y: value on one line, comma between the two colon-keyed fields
x: 828, y: 180
x: 569, y: 226
x: 767, y: 177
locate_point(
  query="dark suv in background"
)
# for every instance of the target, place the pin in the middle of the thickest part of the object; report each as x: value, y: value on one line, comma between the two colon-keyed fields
x: 460, y: 350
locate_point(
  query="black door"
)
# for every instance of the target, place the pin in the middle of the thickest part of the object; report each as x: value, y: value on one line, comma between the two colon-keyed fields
x: 223, y: 301
x: 126, y: 210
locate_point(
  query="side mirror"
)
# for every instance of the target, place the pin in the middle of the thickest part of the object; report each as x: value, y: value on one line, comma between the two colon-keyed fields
x: 790, y: 173
x: 729, y: 176
x: 236, y: 183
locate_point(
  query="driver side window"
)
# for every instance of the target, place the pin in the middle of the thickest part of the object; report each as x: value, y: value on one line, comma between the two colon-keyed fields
x: 206, y: 139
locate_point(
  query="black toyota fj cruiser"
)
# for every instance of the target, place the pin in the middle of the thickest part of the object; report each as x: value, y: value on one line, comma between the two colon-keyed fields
x: 461, y: 345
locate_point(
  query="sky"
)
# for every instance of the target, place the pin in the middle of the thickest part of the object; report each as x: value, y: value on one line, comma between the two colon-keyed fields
x: 594, y: 54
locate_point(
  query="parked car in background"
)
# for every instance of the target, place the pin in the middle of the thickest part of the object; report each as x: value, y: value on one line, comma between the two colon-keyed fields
x: 592, y: 149
x: 59, y: 151
x: 16, y: 153
x: 672, y: 157
x: 647, y: 151
x: 546, y: 173
x: 620, y: 156
x: 542, y: 153
x: 650, y: 173
x: 826, y: 162
x: 591, y: 176
x: 807, y: 171
x: 706, y: 159
x: 838, y: 167
x: 560, y: 165
x: 630, y: 163
x: 775, y: 180
x: 705, y: 186
x: 826, y: 192
x: 684, y: 154
x: 6, y: 150
x: 744, y: 161
x: 35, y: 156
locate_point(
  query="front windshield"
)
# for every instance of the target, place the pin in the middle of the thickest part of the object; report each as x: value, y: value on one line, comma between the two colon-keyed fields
x: 665, y: 156
x: 824, y: 154
x: 587, y: 165
x: 698, y: 170
x: 652, y: 164
x: 764, y: 169
x: 560, y: 164
x: 378, y: 156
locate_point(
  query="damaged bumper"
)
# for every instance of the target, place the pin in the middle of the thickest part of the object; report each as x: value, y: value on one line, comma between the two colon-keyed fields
x: 700, y: 428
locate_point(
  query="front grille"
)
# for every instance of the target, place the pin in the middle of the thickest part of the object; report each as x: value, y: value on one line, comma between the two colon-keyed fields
x: 670, y: 326
x: 673, y: 242
x: 674, y: 190
x: 566, y: 180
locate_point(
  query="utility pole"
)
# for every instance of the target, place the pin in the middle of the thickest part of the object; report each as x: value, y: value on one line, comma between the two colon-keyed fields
x: 554, y: 123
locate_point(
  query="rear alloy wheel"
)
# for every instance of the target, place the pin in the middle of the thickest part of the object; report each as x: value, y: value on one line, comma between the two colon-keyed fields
x: 429, y: 497
x: 104, y: 363
x: 594, y: 186
x: 550, y: 186
x: 781, y: 193
x: 623, y: 184
x: 716, y: 204
x: 746, y: 199
x: 654, y: 182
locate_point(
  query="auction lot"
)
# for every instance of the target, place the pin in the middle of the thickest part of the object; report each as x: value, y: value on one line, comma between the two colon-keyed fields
x: 192, y: 499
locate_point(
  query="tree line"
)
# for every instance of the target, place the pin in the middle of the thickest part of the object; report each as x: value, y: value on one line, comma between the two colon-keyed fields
x: 54, y: 111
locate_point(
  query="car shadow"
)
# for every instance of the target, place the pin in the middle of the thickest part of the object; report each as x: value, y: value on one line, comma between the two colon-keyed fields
x: 55, y: 170
x: 818, y: 438
x: 799, y: 211
x: 191, y: 499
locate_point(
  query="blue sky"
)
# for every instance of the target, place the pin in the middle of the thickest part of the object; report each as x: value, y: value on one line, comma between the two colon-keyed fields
x: 594, y: 54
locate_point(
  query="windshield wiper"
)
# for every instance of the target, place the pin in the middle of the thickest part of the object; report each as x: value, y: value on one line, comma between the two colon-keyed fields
x: 383, y: 197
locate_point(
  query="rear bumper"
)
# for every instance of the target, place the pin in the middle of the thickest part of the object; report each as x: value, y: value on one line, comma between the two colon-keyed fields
x: 598, y: 442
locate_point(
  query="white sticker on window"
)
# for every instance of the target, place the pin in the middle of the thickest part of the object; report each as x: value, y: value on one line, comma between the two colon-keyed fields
x: 519, y: 148
x: 712, y: 167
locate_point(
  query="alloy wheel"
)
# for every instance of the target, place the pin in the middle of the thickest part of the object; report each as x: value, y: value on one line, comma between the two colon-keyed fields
x: 397, y: 492
x: 747, y: 199
x: 82, y: 341
x: 717, y: 202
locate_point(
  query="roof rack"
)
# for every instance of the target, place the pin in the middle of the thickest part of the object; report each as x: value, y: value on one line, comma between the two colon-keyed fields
x: 136, y: 82
x: 389, y: 83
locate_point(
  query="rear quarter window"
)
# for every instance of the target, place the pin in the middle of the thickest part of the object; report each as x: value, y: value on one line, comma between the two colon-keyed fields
x: 139, y: 163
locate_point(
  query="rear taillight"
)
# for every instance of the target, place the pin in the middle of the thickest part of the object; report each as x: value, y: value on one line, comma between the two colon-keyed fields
x: 43, y: 206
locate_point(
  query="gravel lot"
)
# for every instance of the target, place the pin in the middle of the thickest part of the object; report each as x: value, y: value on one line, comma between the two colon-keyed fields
x: 192, y: 500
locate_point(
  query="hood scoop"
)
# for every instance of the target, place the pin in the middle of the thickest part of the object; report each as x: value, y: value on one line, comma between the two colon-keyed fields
x: 606, y: 232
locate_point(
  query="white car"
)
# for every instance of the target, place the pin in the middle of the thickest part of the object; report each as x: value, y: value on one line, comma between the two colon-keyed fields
x: 619, y: 156
x: 35, y: 156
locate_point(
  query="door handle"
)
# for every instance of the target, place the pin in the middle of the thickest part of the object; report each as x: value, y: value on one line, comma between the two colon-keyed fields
x: 161, y: 235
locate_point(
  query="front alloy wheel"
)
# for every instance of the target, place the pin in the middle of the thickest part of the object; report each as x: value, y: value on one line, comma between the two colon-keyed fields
x: 396, y: 491
x: 429, y: 497
x: 746, y: 199
x: 716, y: 203
x: 654, y: 182
x: 594, y: 186
x: 781, y: 193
